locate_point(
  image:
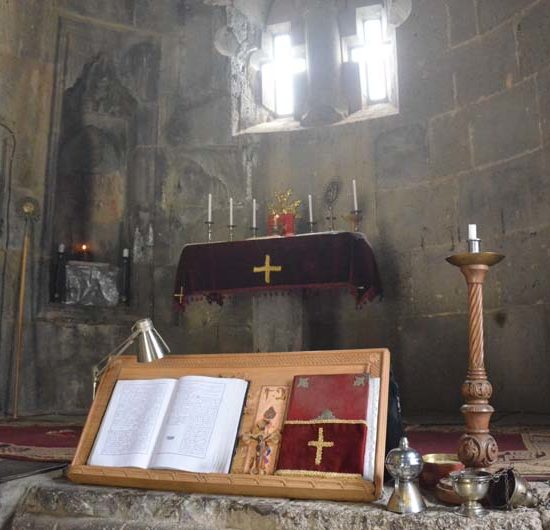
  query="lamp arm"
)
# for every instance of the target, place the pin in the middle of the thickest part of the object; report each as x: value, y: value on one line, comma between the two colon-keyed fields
x: 99, y: 369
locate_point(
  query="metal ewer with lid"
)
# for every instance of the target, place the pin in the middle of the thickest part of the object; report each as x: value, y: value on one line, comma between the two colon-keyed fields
x: 405, y: 465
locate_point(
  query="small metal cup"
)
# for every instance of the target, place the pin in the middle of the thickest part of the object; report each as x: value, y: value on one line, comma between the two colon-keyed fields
x: 472, y: 486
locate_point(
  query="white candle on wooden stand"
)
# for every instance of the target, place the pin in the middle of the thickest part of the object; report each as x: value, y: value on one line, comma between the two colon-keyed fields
x: 230, y: 211
x: 472, y: 231
x: 310, y: 202
x: 253, y: 213
x: 355, y: 204
x: 209, y: 207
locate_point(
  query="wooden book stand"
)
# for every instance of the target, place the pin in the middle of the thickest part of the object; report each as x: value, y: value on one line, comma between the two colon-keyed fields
x: 259, y: 369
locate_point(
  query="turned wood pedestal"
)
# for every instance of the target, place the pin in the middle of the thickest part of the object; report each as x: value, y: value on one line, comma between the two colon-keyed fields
x: 477, y: 448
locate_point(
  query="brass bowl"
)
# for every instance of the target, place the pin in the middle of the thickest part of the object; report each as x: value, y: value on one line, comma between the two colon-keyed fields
x: 438, y: 466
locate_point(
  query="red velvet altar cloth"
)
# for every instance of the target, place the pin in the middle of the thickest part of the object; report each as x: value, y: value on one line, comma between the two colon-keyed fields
x: 330, y: 259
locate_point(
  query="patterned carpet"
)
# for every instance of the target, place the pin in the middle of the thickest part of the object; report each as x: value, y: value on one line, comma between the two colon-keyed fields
x: 40, y: 443
x: 527, y: 449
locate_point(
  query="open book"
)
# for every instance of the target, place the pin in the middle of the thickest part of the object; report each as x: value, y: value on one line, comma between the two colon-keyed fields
x: 190, y: 424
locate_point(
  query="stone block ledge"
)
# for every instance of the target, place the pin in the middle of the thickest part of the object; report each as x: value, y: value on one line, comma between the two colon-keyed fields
x: 60, y: 505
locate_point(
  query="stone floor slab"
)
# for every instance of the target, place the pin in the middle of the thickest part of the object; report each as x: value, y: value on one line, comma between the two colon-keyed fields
x: 59, y: 504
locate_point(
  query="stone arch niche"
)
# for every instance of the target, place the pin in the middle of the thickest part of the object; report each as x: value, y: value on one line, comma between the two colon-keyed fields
x: 96, y: 135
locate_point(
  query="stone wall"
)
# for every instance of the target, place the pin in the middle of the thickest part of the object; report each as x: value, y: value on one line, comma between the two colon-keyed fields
x: 470, y: 145
x: 100, y: 97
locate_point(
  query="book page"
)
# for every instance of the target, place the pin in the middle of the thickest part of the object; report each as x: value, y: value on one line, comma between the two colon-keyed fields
x: 372, y: 428
x: 132, y: 422
x: 201, y: 425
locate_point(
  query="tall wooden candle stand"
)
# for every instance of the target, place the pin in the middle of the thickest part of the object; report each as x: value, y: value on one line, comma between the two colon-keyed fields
x: 477, y: 448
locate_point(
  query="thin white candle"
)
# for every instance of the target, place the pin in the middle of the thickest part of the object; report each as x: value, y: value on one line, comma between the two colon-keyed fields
x: 230, y: 211
x: 61, y: 248
x: 125, y: 252
x: 253, y: 213
x: 472, y: 231
x: 355, y: 205
x: 310, y: 202
x: 209, y: 207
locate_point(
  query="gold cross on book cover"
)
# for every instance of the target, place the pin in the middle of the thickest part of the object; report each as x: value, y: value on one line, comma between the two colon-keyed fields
x: 320, y: 444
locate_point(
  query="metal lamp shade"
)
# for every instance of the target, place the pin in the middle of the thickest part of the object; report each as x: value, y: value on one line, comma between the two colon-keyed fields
x: 151, y: 346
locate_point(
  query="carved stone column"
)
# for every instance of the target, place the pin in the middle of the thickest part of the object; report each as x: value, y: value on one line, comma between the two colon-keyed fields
x: 477, y: 448
x: 324, y: 59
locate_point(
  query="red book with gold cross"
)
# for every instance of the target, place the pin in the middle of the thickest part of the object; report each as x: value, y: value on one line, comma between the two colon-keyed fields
x: 330, y: 426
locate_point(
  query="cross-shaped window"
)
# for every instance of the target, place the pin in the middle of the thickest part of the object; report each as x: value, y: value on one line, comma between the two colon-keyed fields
x: 278, y: 76
x: 373, y: 55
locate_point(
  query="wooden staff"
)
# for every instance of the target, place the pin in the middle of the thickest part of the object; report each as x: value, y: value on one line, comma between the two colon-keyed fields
x: 28, y: 208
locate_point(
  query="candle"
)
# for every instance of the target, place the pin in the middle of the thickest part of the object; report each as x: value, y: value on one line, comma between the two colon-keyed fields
x: 355, y: 206
x: 253, y: 213
x: 209, y: 207
x: 125, y: 252
x: 230, y: 211
x: 84, y: 252
x: 310, y: 202
x: 472, y: 231
x: 61, y: 248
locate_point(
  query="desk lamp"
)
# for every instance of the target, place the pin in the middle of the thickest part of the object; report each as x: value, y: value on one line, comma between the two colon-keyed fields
x: 151, y: 347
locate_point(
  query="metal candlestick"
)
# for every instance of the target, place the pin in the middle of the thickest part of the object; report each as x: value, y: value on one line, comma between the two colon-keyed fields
x: 473, y: 246
x: 311, y: 226
x: 354, y: 217
x: 477, y: 448
x: 254, y: 230
x: 330, y: 218
x: 209, y: 227
x: 231, y: 231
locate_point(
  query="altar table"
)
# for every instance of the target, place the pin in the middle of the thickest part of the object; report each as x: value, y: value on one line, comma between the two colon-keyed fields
x: 307, y: 261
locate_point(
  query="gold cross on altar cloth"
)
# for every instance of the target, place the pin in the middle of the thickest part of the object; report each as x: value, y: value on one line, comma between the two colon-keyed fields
x: 267, y: 269
x: 180, y: 295
x: 320, y: 444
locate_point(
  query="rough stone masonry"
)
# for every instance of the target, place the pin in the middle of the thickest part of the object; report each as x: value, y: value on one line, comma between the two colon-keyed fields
x: 469, y: 144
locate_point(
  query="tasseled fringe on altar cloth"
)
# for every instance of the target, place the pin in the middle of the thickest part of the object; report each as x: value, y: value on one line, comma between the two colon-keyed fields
x: 362, y: 296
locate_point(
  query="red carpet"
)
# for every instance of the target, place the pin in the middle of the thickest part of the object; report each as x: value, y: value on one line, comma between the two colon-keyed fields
x: 526, y: 449
x: 42, y: 443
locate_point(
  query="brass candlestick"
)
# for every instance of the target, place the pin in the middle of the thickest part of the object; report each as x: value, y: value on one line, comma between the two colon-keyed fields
x: 209, y: 227
x: 354, y: 217
x: 477, y: 448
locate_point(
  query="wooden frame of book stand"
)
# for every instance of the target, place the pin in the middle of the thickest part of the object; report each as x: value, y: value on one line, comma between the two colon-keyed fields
x: 260, y: 369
